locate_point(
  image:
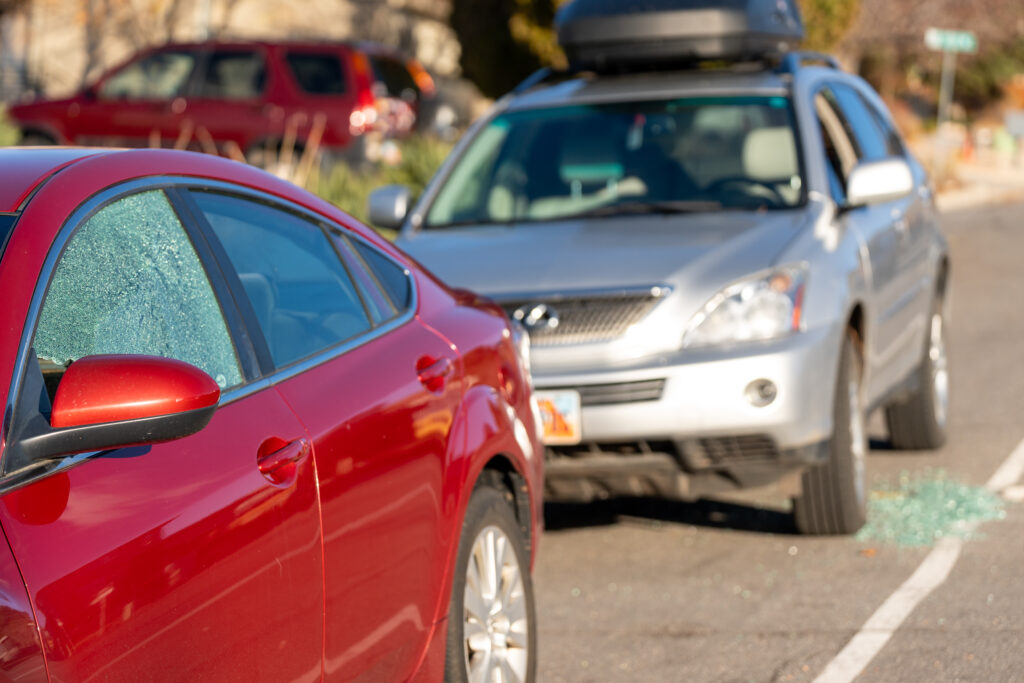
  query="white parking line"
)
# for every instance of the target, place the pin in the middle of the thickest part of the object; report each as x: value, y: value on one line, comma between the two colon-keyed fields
x: 931, y: 574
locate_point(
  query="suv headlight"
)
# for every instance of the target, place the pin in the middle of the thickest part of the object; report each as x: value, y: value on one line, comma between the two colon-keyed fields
x: 766, y: 306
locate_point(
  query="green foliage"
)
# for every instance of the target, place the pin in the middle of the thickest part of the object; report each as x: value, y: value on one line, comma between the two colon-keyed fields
x: 980, y: 80
x: 826, y: 22
x: 9, y: 133
x: 504, y: 41
x: 349, y: 188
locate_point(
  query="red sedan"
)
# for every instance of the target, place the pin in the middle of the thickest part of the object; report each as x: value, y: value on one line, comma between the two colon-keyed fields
x: 246, y: 439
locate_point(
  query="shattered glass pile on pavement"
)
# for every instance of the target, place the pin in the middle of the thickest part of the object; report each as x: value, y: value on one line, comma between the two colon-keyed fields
x: 920, y: 509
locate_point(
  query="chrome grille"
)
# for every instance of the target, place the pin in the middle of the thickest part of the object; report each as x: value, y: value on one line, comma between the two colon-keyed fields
x: 582, y: 317
x: 622, y: 392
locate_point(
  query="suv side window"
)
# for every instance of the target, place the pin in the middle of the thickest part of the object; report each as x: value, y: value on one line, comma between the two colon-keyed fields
x: 159, y: 76
x: 299, y: 290
x: 317, y: 73
x: 233, y: 75
x: 841, y: 152
x: 869, y: 136
x: 129, y: 281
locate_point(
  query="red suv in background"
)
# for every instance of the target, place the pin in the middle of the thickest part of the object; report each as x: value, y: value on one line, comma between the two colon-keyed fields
x: 250, y: 94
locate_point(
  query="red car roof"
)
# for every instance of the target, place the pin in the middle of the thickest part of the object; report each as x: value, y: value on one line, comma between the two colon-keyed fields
x: 22, y: 169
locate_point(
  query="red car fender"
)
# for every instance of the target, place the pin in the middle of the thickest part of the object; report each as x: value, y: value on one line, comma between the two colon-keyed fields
x: 484, y: 432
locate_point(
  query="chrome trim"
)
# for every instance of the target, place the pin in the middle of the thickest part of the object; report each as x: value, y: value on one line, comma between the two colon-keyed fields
x: 656, y: 291
x: 114, y: 192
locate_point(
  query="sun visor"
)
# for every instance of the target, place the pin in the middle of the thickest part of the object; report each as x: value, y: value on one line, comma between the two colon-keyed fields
x: 613, y: 34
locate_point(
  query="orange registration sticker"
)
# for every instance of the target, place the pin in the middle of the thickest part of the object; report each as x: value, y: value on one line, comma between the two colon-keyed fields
x: 560, y: 411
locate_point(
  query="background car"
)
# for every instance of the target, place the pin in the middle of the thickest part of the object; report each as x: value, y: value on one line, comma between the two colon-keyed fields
x: 246, y: 439
x: 250, y: 94
x: 723, y: 270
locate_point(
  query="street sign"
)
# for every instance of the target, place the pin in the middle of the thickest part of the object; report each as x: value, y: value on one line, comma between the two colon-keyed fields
x: 950, y: 41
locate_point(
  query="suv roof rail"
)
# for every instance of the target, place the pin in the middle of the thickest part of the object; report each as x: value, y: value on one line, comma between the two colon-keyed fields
x: 536, y: 78
x: 792, y: 61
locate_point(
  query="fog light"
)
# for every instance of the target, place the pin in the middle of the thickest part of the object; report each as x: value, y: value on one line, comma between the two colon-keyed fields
x: 761, y: 392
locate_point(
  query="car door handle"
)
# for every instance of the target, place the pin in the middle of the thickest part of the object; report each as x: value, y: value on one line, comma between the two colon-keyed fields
x: 279, y: 466
x: 433, y: 372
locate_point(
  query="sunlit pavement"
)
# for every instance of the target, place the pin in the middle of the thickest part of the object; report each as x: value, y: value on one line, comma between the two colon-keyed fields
x: 725, y: 591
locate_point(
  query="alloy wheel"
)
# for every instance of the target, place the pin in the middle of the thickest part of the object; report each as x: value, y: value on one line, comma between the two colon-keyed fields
x: 495, y: 625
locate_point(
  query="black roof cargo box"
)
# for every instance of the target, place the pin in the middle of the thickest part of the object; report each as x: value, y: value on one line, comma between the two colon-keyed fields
x: 606, y: 34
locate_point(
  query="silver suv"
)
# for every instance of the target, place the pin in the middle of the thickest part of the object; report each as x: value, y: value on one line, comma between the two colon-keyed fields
x: 723, y: 272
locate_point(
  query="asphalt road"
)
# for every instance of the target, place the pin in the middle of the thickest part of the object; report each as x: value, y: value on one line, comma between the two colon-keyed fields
x: 724, y: 590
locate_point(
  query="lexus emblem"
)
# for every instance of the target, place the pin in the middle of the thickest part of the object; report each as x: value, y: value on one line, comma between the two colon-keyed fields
x: 537, y: 317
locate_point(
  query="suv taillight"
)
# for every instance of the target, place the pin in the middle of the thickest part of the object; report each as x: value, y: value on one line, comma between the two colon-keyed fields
x: 364, y: 115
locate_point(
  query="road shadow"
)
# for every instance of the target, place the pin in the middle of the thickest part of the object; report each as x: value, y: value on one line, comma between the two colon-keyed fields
x: 704, y: 512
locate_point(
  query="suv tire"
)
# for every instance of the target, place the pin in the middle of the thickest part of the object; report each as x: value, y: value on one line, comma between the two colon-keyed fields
x: 919, y: 422
x: 491, y: 619
x: 834, y: 496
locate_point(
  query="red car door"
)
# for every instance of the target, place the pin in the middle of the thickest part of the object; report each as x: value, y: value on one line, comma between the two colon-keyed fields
x: 181, y: 560
x: 228, y: 103
x: 377, y: 392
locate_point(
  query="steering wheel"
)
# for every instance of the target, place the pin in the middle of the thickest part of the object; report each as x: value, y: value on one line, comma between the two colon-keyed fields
x: 722, y: 186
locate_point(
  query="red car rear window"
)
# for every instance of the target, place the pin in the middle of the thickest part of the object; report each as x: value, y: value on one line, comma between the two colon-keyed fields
x: 317, y: 73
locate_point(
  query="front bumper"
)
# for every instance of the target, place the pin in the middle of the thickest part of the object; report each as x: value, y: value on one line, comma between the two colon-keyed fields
x: 702, y: 418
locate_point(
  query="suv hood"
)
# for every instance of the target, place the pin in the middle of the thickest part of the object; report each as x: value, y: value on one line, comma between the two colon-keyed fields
x: 628, y: 251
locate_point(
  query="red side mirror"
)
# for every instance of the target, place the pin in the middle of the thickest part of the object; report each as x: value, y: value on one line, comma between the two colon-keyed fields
x: 103, y: 389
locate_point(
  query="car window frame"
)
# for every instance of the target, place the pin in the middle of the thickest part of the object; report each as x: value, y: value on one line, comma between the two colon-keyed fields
x: 255, y: 378
x: 79, y: 217
x: 838, y: 89
x: 270, y: 371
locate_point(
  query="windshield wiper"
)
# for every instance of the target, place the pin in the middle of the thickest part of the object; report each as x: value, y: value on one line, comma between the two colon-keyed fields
x: 638, y: 208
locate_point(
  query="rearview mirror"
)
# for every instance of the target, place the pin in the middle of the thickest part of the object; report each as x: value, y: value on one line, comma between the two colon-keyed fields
x: 874, y: 182
x: 388, y: 206
x: 105, y: 402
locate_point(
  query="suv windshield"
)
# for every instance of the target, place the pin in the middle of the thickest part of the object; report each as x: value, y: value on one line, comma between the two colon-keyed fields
x: 669, y: 156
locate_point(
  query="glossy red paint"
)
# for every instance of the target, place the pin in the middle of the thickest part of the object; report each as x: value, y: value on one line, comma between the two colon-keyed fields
x: 111, y: 388
x: 310, y: 530
x: 21, y: 657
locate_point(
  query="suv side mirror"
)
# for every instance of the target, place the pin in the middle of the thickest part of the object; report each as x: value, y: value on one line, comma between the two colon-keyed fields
x: 105, y: 402
x: 873, y: 182
x: 389, y: 205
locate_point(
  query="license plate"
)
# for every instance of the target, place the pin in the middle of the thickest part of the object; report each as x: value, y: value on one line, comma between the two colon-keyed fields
x: 561, y: 414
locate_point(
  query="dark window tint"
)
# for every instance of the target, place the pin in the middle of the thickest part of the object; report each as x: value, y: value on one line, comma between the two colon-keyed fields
x: 317, y: 74
x: 393, y: 278
x: 233, y: 75
x: 869, y: 136
x: 395, y: 78
x: 299, y: 290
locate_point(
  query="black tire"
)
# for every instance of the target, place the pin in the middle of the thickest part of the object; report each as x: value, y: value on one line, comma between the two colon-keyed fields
x: 919, y: 422
x: 490, y: 510
x: 36, y: 140
x: 834, y: 496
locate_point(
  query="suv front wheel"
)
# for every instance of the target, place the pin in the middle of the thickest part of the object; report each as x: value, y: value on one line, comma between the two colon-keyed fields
x: 834, y: 496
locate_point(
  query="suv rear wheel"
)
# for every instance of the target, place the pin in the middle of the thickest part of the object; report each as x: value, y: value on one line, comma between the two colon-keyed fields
x: 834, y: 497
x: 492, y: 632
x: 919, y: 422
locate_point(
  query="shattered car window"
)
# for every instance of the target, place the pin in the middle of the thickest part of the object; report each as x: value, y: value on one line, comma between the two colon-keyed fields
x: 130, y: 282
